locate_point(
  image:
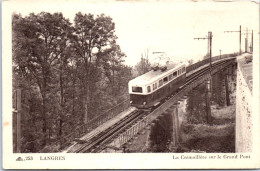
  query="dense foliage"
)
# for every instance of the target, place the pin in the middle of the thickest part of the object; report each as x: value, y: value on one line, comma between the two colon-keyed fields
x: 143, y: 65
x: 70, y: 72
x: 196, y: 104
x: 161, y: 134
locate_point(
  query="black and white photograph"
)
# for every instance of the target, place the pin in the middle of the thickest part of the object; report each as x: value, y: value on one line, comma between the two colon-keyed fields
x: 125, y: 84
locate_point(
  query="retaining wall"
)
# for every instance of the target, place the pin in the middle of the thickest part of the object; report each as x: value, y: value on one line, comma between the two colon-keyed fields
x: 243, y: 111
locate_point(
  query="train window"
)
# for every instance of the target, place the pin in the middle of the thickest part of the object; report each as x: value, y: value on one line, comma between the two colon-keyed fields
x: 137, y: 89
x: 165, y: 79
x: 170, y: 77
x: 148, y: 89
x: 160, y: 83
x: 183, y: 69
x: 174, y: 74
x: 154, y: 86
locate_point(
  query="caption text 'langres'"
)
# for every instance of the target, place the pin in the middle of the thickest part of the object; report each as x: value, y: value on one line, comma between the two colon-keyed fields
x: 52, y: 157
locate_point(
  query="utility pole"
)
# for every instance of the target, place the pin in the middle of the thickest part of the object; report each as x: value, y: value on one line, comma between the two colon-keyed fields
x: 208, y: 99
x: 209, y: 82
x: 18, y: 107
x: 209, y: 38
x: 220, y: 54
x: 252, y: 44
x: 246, y: 40
x: 252, y: 40
x: 239, y: 37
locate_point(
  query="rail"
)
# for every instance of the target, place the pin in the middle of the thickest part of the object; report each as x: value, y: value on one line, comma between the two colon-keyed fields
x: 93, y: 123
x: 106, y: 136
x: 205, y: 61
x: 137, y: 127
x: 100, y: 119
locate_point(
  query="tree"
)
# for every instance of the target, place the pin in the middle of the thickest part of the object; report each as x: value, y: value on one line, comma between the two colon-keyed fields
x: 38, y: 43
x: 92, y: 36
x: 112, y: 63
x: 143, y: 65
x: 190, y: 62
x: 72, y: 73
x: 196, y: 106
x: 161, y: 134
x: 123, y: 77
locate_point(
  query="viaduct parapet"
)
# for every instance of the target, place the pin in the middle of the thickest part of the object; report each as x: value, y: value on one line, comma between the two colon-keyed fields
x: 244, y: 104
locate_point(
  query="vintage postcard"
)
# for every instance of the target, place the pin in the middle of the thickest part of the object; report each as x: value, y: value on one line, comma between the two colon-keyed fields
x: 130, y: 84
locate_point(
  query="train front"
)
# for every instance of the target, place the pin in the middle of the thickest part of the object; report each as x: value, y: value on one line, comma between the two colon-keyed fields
x: 138, y: 95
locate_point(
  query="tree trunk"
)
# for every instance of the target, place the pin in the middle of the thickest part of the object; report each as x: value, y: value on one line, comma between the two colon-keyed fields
x: 85, y: 103
x: 44, y: 106
x: 113, y: 82
x: 73, y: 97
x: 60, y: 130
x: 61, y: 102
x: 44, y: 128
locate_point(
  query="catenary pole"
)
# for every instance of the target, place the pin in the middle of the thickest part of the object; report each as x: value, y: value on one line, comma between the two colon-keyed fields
x: 239, y: 37
x: 209, y: 82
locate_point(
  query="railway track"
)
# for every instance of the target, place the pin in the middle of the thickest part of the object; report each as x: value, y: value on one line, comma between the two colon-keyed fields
x: 200, y: 73
x: 192, y: 78
x: 97, y: 143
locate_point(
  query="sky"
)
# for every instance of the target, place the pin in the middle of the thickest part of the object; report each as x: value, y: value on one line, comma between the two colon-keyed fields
x: 164, y: 26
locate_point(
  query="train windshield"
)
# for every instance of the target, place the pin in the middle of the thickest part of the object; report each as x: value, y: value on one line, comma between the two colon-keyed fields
x: 137, y: 89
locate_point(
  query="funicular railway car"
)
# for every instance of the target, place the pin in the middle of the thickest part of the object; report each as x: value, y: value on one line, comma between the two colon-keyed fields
x: 150, y: 88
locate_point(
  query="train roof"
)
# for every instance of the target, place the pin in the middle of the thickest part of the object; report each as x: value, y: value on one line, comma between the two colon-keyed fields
x: 153, y: 76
